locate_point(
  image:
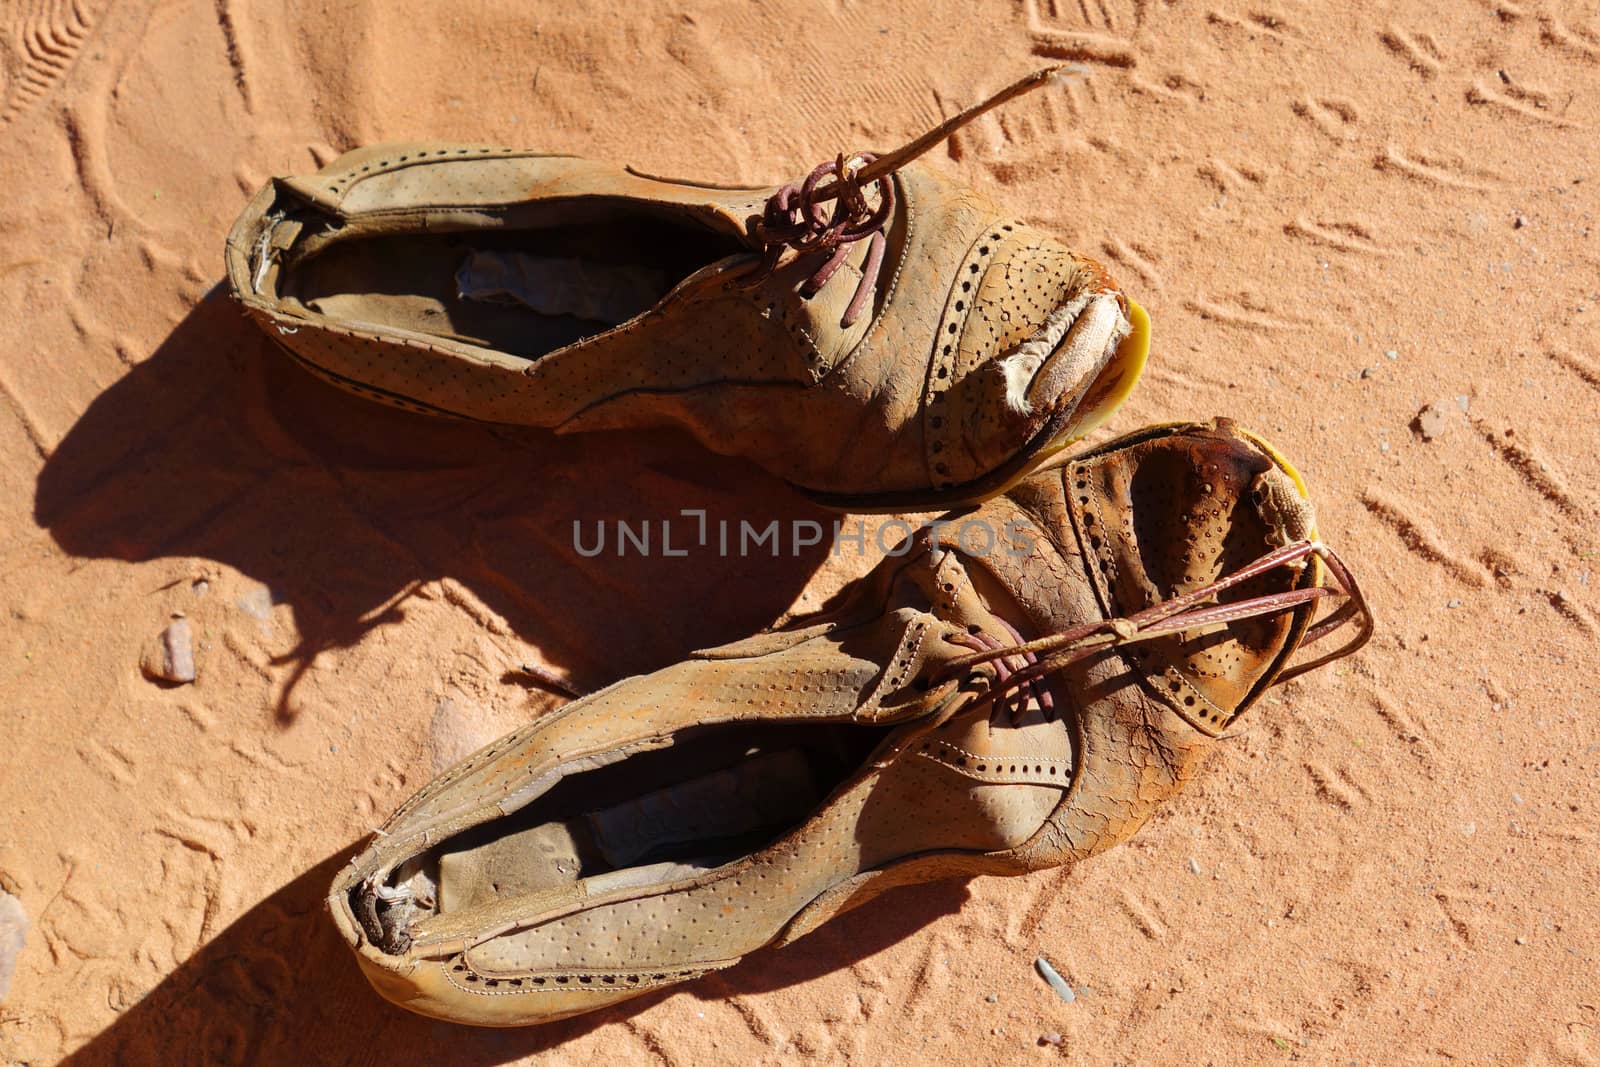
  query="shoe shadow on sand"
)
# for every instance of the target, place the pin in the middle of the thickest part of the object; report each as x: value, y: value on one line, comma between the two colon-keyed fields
x: 216, y: 448
x: 278, y: 986
x: 219, y: 447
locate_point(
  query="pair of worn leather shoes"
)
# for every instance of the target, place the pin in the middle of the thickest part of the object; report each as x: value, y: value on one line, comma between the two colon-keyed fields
x: 883, y: 339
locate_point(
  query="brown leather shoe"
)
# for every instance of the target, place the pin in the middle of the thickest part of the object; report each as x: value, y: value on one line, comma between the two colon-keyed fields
x: 885, y: 341
x: 1018, y: 691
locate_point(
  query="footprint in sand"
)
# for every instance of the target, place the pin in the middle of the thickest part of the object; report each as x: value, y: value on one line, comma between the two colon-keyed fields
x: 39, y: 42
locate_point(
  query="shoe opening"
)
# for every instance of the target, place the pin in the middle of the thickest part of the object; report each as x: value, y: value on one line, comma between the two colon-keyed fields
x: 717, y: 794
x: 521, y: 290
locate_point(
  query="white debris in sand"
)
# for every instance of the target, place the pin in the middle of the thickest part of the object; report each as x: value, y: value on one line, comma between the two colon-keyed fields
x: 13, y: 928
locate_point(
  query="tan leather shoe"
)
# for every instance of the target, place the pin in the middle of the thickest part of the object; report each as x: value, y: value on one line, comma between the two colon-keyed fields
x: 886, y: 341
x: 1018, y: 691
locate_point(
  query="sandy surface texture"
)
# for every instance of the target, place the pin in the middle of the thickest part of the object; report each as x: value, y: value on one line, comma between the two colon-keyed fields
x: 1367, y: 231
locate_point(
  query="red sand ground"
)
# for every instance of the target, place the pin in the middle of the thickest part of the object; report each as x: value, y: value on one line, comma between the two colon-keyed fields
x: 1335, y: 217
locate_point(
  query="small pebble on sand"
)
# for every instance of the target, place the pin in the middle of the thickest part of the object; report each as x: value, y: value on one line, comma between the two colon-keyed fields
x: 170, y: 656
x: 1431, y: 421
x: 257, y: 603
x: 459, y: 728
x: 13, y: 931
x: 1051, y: 1037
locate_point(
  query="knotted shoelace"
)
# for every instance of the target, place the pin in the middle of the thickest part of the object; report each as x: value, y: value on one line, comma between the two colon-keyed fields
x: 1019, y: 669
x: 797, y: 218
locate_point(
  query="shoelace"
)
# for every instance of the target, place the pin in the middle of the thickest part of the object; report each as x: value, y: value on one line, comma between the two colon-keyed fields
x: 1008, y: 662
x: 1020, y: 668
x: 796, y: 218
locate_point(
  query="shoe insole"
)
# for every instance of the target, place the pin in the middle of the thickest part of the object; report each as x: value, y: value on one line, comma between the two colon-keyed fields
x: 692, y: 824
x: 523, y: 292
x: 606, y: 293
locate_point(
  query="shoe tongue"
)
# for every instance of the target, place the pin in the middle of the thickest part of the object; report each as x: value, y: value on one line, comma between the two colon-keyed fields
x: 991, y: 748
x: 1177, y: 508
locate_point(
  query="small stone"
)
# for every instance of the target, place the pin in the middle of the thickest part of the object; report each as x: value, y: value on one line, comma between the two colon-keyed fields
x: 1194, y: 865
x: 1521, y: 940
x: 1050, y: 1037
x: 1391, y: 355
x: 460, y: 727
x: 1432, y: 421
x: 257, y: 603
x: 1519, y: 222
x: 1455, y: 602
x: 13, y: 938
x: 201, y: 587
x: 992, y: 999
x: 1463, y: 402
x: 1053, y: 977
x: 170, y: 657
x: 1367, y: 372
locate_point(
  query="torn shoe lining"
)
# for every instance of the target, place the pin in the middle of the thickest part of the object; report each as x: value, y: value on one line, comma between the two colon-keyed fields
x: 493, y: 287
